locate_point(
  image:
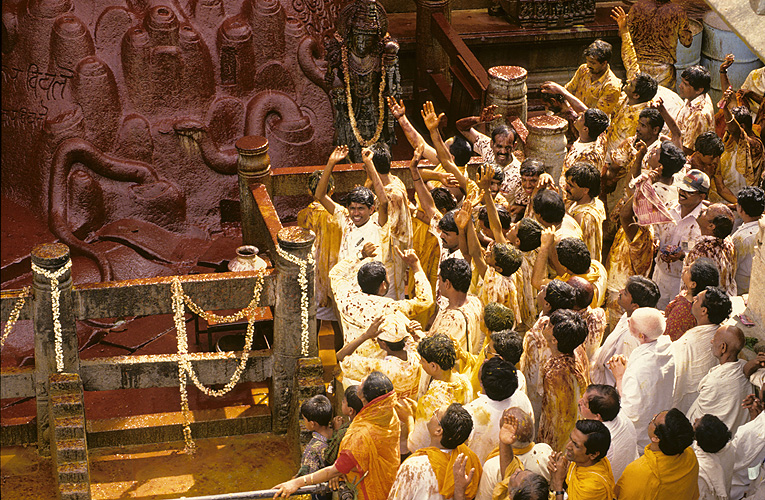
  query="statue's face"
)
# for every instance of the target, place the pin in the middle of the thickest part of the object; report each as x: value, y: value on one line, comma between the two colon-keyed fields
x: 362, y: 44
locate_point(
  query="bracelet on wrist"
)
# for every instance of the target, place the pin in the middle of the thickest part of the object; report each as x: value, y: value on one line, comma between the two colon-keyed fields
x: 417, y: 179
x: 723, y: 71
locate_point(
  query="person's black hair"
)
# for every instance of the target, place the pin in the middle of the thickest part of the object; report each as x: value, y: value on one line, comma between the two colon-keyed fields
x: 530, y: 234
x: 505, y: 219
x: 569, y: 330
x: 574, y: 255
x: 599, y: 50
x: 313, y: 181
x: 752, y: 200
x: 596, y: 122
x: 585, y: 175
x: 353, y: 399
x: 604, y: 400
x: 655, y: 120
x: 743, y: 117
x: 723, y: 226
x: 644, y: 292
x: 709, y: 144
x: 370, y: 276
x: 375, y: 385
x: 362, y: 195
x: 671, y: 158
x: 447, y: 223
x: 394, y: 346
x: 549, y: 205
x: 705, y: 274
x: 444, y: 200
x: 697, y: 77
x: 598, y: 437
x: 498, y: 378
x: 497, y: 174
x: 534, y: 487
x: 501, y: 130
x: 560, y: 295
x: 317, y: 409
x: 645, y: 87
x: 675, y: 434
x: 381, y: 157
x: 461, y: 151
x: 712, y: 434
x: 507, y: 258
x: 457, y: 424
x: 718, y: 304
x: 531, y: 167
x: 438, y: 349
x: 508, y: 344
x: 497, y: 317
x: 457, y: 272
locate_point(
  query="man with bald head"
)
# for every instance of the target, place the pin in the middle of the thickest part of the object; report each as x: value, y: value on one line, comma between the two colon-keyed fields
x: 595, y: 318
x: 645, y: 382
x: 533, y: 456
x: 723, y: 388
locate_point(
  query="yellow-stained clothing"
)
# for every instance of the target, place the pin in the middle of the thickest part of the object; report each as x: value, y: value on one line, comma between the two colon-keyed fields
x: 740, y: 164
x: 396, y: 232
x: 695, y: 118
x: 590, y: 217
x: 426, y: 244
x: 472, y: 187
x: 501, y: 489
x: 495, y: 287
x: 595, y: 482
x: 602, y: 92
x: 564, y: 380
x: 627, y: 258
x: 370, y: 447
x: 592, y: 152
x: 442, y: 462
x: 535, y: 353
x: 462, y: 324
x: 656, y: 476
x: 326, y: 246
x: 597, y: 276
x: 527, y: 294
x: 439, y: 393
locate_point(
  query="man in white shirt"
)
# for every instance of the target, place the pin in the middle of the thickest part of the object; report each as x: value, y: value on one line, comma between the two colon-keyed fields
x: 693, y: 357
x: 749, y: 447
x: 750, y: 206
x: 500, y: 392
x: 725, y: 386
x: 602, y: 402
x: 675, y: 239
x: 715, y: 457
x: 645, y: 381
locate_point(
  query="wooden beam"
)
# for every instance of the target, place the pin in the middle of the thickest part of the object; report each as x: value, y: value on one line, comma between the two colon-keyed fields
x: 452, y: 43
x: 17, y: 383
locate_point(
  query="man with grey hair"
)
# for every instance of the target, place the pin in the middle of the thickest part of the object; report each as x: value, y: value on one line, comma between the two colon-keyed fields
x: 645, y: 383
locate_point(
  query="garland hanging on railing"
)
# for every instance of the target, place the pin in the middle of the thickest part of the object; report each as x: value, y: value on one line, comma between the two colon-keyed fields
x: 15, y: 312
x: 55, y: 295
x: 303, y: 280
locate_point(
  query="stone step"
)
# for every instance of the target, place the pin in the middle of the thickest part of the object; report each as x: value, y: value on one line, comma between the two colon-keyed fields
x: 73, y: 472
x: 69, y: 427
x: 310, y: 367
x: 61, y: 383
x: 74, y: 491
x: 71, y: 450
x: 66, y: 404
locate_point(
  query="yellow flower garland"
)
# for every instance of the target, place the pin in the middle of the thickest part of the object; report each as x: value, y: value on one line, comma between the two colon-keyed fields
x: 14, y: 316
x: 349, y: 98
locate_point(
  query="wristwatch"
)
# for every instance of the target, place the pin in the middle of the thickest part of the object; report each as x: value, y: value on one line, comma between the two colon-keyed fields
x: 360, y: 254
x: 560, y: 493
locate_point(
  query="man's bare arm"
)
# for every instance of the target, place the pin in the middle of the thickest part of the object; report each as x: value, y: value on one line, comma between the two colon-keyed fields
x: 466, y: 125
x: 321, y: 195
x: 484, y: 181
x: 415, y: 139
x: 432, y: 120
x: 382, y: 198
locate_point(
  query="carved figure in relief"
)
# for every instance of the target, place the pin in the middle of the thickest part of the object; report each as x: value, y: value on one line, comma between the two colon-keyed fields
x: 362, y: 72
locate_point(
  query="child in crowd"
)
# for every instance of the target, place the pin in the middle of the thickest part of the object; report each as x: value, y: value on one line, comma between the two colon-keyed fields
x: 317, y: 418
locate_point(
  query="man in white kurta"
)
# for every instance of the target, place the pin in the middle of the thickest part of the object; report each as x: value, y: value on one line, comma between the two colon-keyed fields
x: 693, y: 357
x: 645, y: 382
x: 749, y: 447
x: 619, y: 341
x: 725, y: 386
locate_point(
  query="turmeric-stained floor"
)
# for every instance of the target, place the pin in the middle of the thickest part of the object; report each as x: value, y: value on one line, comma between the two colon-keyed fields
x: 220, y: 465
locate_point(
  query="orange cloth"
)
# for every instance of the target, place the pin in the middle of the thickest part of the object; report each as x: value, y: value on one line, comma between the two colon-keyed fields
x: 595, y: 482
x: 373, y: 441
x: 501, y: 489
x: 443, y: 465
x: 517, y: 451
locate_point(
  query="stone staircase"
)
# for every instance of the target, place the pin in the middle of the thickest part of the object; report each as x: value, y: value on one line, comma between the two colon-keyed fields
x: 68, y: 444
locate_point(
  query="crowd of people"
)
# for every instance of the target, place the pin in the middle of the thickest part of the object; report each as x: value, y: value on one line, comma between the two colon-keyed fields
x: 514, y: 335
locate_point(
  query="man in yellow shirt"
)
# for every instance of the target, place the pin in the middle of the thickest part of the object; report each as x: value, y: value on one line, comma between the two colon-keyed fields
x: 668, y: 470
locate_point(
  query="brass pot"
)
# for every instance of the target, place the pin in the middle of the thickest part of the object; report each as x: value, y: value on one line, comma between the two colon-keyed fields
x: 246, y: 260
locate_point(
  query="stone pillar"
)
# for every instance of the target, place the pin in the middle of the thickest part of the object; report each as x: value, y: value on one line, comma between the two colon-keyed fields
x: 507, y: 91
x: 547, y: 142
x: 51, y: 257
x: 288, y: 324
x: 431, y: 58
x: 253, y: 165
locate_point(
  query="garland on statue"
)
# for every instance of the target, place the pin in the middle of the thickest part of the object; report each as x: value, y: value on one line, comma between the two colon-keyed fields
x: 303, y: 280
x: 185, y: 368
x: 55, y: 295
x: 14, y: 316
x: 349, y: 98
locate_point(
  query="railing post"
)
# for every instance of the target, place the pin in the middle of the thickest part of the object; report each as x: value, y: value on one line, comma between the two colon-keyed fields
x: 288, y: 322
x: 430, y: 56
x: 253, y: 165
x: 51, y: 257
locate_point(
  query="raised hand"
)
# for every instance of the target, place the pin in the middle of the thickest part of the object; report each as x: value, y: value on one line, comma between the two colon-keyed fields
x: 618, y: 15
x: 430, y: 117
x: 617, y: 364
x: 729, y: 60
x: 487, y: 114
x: 657, y: 103
x: 548, y: 237
x: 461, y: 480
x: 557, y: 465
x: 483, y: 177
x: 462, y: 217
x: 339, y: 153
x: 552, y: 88
x: 508, y: 427
x: 397, y: 109
x: 366, y: 156
x: 408, y: 256
x: 448, y: 180
x: 374, y: 329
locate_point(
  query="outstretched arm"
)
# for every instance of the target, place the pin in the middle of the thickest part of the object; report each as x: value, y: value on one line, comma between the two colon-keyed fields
x: 554, y: 88
x: 484, y: 182
x: 464, y: 222
x: 466, y: 125
x: 382, y: 198
x: 539, y: 273
x: 677, y: 135
x: 629, y: 57
x: 372, y: 332
x: 415, y: 139
x: 426, y: 200
x: 321, y: 195
x: 432, y: 120
x: 508, y: 427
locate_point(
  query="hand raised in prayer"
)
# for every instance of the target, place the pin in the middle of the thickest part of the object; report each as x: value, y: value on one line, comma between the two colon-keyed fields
x: 369, y: 250
x: 408, y: 256
x: 617, y: 364
x: 430, y: 117
x: 548, y: 237
x: 508, y: 427
x: 729, y: 60
x: 338, y: 155
x: 558, y: 467
x: 337, y: 422
x: 396, y: 108
x: 618, y: 15
x: 461, y: 480
x: 483, y: 176
x: 288, y: 488
x: 753, y: 404
x: 487, y: 114
x: 462, y: 218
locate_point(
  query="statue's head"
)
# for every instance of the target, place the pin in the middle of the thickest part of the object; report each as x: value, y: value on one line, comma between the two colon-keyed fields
x: 363, y: 24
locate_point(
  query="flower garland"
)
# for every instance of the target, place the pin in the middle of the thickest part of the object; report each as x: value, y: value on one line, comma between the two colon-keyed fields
x: 14, y: 316
x: 303, y: 280
x: 185, y: 368
x: 349, y: 99
x: 55, y: 294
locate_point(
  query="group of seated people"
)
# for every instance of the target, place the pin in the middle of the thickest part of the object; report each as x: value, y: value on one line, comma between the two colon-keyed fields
x: 515, y: 334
